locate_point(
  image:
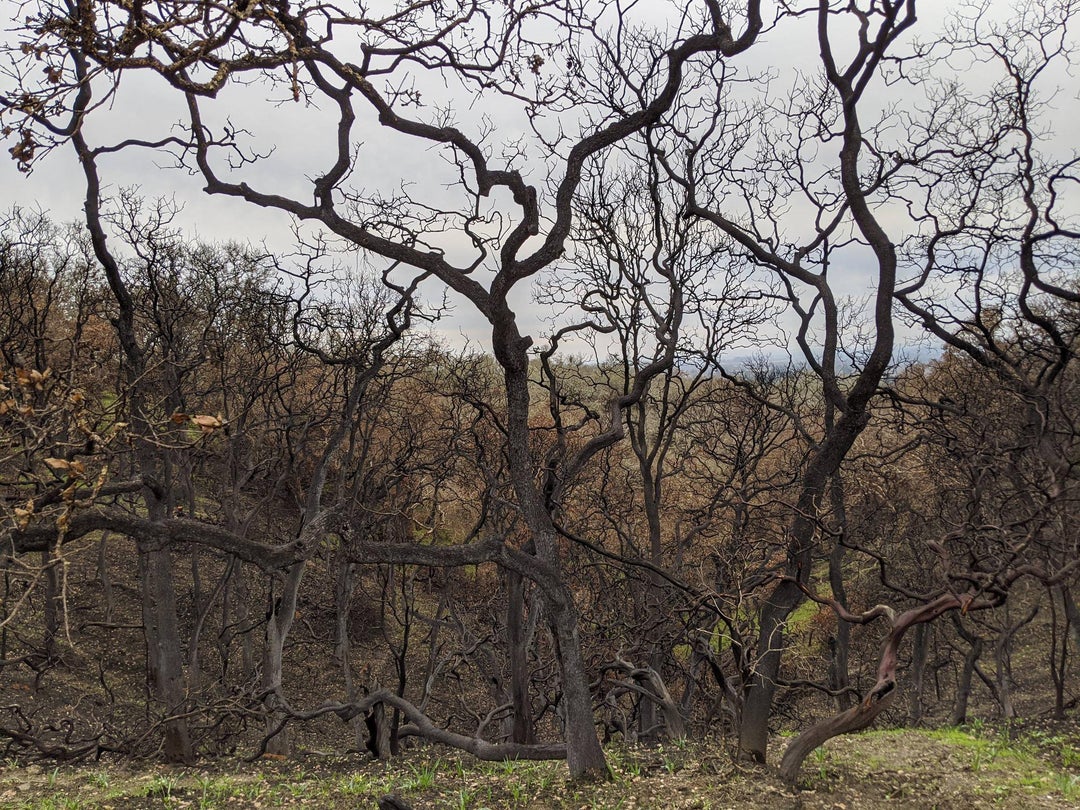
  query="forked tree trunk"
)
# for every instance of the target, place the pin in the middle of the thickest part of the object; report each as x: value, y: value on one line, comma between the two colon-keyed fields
x: 584, y: 755
x: 1003, y: 663
x: 652, y: 690
x: 757, y: 705
x: 787, y: 595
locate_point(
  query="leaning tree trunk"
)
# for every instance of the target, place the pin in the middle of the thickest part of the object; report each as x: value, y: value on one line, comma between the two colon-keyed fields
x: 788, y: 593
x: 880, y: 696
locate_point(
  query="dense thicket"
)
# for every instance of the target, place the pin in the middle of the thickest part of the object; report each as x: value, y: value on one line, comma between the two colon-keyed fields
x: 621, y: 529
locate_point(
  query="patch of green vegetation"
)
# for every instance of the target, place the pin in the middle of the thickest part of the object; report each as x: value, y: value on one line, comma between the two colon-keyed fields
x: 978, y: 765
x: 52, y: 803
x: 803, y: 615
x: 1013, y: 765
x: 214, y: 791
x: 1057, y: 746
x: 356, y: 784
x: 162, y: 787
x: 423, y: 776
x: 1068, y: 785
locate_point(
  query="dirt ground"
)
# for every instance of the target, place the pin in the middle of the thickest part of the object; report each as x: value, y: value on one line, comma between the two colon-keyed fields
x: 974, y: 767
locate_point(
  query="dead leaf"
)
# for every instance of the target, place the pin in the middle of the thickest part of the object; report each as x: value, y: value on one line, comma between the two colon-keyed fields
x: 207, y: 423
x: 23, y: 514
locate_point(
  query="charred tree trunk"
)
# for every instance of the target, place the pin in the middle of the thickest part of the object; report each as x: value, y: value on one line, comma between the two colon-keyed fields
x: 1059, y: 653
x: 920, y: 650
x: 650, y: 687
x: 278, y: 623
x: 963, y: 686
x: 785, y: 597
x: 584, y: 754
x: 1072, y: 615
x: 107, y: 599
x: 517, y: 641
x: 1003, y: 664
x: 52, y: 606
x: 164, y: 656
x: 839, y: 649
x: 195, y: 677
x: 344, y: 586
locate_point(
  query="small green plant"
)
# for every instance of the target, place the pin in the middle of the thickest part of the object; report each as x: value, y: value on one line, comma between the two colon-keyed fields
x: 55, y: 803
x: 518, y: 793
x: 1068, y: 785
x: 256, y: 788
x: 544, y: 778
x: 355, y: 784
x: 298, y: 789
x: 162, y: 787
x: 99, y: 779
x: 632, y: 767
x: 820, y: 759
x: 423, y: 776
x: 213, y: 791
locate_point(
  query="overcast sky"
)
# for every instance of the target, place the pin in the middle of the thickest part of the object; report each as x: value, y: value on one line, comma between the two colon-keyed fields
x: 301, y: 136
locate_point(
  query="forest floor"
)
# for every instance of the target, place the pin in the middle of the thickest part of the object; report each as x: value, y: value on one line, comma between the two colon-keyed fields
x: 978, y: 766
